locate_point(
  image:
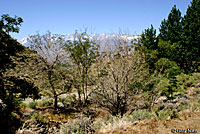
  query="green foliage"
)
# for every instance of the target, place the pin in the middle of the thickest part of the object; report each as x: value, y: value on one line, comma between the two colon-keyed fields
x: 32, y: 104
x: 192, y: 107
x: 149, y: 44
x: 194, y: 79
x: 163, y: 85
x: 82, y: 50
x: 83, y: 53
x: 46, y: 103
x: 164, y: 114
x: 183, y: 106
x: 170, y: 35
x: 21, y: 87
x: 168, y: 68
x: 23, y: 105
x: 12, y: 88
x: 10, y: 24
x: 149, y: 39
x: 64, y: 100
x: 177, y: 41
x: 82, y: 127
x: 191, y: 36
x: 140, y: 115
x: 8, y: 47
x: 170, y: 29
x: 36, y: 117
x: 185, y: 81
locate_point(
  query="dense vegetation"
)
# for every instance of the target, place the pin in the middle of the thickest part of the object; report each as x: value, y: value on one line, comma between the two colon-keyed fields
x: 120, y: 80
x: 13, y: 88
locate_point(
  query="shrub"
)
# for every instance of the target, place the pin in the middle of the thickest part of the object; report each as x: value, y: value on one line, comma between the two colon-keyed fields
x: 140, y: 115
x: 191, y: 106
x: 163, y: 114
x: 71, y: 128
x: 111, y: 123
x: 168, y: 68
x: 197, y: 90
x: 32, y: 104
x: 82, y: 127
x: 46, y: 103
x: 195, y: 78
x: 194, y: 107
x: 115, y: 122
x: 64, y: 100
x: 185, y: 81
x: 36, y: 117
x: 23, y: 105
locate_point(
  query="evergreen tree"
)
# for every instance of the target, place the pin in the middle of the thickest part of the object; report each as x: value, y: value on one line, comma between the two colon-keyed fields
x: 149, y: 45
x: 149, y: 38
x: 191, y: 36
x: 170, y: 29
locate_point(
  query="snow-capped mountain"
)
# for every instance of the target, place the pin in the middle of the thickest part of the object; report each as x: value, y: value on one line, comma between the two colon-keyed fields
x: 104, y: 37
x: 23, y: 41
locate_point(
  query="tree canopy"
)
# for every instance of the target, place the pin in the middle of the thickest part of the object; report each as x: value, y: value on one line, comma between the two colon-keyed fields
x: 12, y: 88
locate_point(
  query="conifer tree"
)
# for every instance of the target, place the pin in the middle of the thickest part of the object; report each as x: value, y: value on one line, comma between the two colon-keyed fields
x: 191, y: 36
x: 149, y: 45
x: 170, y: 29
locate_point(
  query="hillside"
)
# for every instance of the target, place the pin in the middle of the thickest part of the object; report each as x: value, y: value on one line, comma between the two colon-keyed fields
x: 102, y: 83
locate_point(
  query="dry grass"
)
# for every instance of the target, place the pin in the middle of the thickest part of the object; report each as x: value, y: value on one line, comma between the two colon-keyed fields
x: 186, y: 121
x: 116, y: 125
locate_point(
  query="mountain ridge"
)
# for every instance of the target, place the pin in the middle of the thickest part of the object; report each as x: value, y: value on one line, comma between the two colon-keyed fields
x: 100, y: 37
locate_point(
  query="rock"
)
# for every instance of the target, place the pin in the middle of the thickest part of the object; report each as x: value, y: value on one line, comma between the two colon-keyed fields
x: 161, y: 99
x: 170, y: 106
x: 60, y: 104
x: 168, y: 118
x: 140, y: 105
x: 180, y: 100
x: 197, y: 85
x: 25, y: 131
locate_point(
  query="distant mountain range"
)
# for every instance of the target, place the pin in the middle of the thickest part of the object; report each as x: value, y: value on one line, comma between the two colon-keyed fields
x: 104, y: 37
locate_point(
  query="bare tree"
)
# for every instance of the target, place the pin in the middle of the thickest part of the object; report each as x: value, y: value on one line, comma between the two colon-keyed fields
x: 118, y: 71
x: 50, y: 47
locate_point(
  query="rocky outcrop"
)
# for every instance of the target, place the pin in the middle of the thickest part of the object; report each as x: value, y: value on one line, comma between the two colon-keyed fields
x: 163, y: 103
x: 31, y: 127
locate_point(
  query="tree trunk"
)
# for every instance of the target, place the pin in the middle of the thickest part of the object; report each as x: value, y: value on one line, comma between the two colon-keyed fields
x: 55, y: 101
x: 86, y: 85
x: 83, y: 82
x: 79, y: 97
x: 53, y: 89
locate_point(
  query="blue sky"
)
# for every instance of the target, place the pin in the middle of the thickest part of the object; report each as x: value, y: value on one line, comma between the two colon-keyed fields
x: 99, y: 16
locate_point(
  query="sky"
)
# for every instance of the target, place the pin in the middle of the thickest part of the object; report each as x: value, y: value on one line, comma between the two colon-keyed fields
x: 98, y: 16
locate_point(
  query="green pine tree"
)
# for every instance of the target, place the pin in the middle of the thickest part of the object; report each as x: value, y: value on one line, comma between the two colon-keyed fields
x: 149, y: 45
x: 191, y: 36
x: 170, y: 29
